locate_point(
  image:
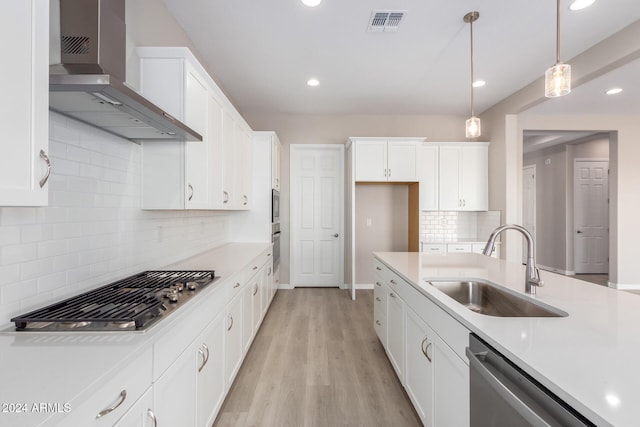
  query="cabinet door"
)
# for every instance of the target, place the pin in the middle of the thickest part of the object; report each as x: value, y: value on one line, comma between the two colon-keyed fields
x: 420, y: 367
x: 371, y: 160
x: 449, y: 198
x: 257, y: 308
x: 395, y: 332
x: 210, y: 376
x: 243, y: 173
x: 141, y: 414
x: 197, y: 154
x: 174, y: 394
x: 24, y: 28
x: 247, y: 314
x: 451, y: 386
x: 275, y: 163
x: 402, y: 158
x: 214, y: 137
x: 474, y: 178
x: 228, y: 162
x: 429, y: 183
x: 233, y: 340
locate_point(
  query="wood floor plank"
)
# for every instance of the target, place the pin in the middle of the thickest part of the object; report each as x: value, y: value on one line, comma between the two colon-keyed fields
x: 316, y: 361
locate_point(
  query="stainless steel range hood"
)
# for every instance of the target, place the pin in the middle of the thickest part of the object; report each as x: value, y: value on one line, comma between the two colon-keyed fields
x: 86, y: 75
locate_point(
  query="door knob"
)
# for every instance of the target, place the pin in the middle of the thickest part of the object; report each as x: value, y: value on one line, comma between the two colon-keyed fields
x: 336, y: 235
x: 579, y: 231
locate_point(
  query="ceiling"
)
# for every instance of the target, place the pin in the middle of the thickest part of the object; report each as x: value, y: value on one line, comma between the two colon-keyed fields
x: 263, y: 52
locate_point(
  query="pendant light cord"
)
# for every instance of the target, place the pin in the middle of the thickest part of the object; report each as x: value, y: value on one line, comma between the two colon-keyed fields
x: 558, y: 32
x: 471, y: 27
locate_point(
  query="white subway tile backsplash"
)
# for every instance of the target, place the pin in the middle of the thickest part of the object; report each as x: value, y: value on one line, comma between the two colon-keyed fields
x: 453, y: 226
x: 93, y: 230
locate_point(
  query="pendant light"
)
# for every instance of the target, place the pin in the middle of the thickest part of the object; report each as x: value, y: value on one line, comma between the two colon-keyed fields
x: 557, y: 79
x: 472, y: 125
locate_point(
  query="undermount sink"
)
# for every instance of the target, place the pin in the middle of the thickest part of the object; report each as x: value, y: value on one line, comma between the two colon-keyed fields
x: 487, y: 299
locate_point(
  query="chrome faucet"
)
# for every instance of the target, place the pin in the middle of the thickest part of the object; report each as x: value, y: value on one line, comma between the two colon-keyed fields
x: 532, y: 278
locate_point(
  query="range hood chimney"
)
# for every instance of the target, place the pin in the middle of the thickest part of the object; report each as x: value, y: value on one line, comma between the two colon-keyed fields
x: 87, y: 74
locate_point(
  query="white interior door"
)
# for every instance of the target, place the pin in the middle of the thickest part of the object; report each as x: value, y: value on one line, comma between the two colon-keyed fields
x: 528, y: 204
x: 591, y: 216
x: 317, y: 212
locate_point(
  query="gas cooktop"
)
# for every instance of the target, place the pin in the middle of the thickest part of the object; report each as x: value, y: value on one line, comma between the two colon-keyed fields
x: 133, y: 303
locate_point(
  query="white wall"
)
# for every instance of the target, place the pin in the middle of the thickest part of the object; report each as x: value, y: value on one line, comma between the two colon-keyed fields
x: 93, y: 230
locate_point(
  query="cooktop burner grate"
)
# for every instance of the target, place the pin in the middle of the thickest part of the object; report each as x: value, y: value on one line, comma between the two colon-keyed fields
x: 131, y: 303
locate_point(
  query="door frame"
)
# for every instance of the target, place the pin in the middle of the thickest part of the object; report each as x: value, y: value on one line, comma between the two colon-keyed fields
x: 534, y: 207
x: 573, y: 216
x: 341, y: 207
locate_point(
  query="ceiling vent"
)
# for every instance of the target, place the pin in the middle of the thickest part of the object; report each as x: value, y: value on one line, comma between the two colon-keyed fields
x: 386, y: 21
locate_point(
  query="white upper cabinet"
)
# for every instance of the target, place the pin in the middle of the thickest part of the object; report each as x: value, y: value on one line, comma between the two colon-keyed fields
x: 428, y: 171
x: 193, y: 175
x: 463, y: 177
x: 276, y: 148
x: 24, y: 163
x: 386, y: 159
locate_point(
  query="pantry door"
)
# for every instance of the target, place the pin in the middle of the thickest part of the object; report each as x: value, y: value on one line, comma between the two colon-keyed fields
x: 317, y: 213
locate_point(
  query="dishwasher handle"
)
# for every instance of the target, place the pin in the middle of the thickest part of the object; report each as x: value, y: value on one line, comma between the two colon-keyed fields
x: 503, y: 391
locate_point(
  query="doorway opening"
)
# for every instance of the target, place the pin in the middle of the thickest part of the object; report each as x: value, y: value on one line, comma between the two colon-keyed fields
x: 568, y: 208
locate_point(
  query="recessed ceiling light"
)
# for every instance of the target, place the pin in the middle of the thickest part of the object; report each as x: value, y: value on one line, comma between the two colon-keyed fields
x: 311, y: 3
x: 479, y: 83
x: 614, y: 91
x: 581, y: 4
x: 313, y: 82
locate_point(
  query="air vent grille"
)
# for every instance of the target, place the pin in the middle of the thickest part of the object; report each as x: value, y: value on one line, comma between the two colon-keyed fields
x: 385, y: 20
x: 76, y: 45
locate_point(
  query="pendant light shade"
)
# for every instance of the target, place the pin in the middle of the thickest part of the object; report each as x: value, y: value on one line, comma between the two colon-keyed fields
x: 557, y: 79
x: 472, y: 125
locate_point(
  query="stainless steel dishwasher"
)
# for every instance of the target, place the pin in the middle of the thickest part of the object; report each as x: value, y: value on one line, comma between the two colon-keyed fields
x: 503, y: 395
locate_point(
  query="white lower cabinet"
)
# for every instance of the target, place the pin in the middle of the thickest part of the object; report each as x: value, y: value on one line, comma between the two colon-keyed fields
x: 174, y: 394
x: 395, y: 332
x: 451, y: 386
x: 380, y: 295
x: 210, y: 373
x: 419, y: 374
x: 233, y: 340
x: 435, y: 376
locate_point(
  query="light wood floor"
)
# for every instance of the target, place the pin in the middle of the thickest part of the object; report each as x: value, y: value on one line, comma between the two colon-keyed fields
x: 316, y: 361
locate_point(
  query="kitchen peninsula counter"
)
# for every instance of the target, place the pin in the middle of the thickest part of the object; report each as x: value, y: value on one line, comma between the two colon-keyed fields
x: 49, y: 375
x: 589, y: 358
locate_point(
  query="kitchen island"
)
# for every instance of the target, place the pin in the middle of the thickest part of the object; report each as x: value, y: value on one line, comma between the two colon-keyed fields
x: 587, y: 358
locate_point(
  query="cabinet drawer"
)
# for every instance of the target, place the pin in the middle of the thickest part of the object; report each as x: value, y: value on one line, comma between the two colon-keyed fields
x: 434, y: 248
x: 459, y: 247
x: 114, y: 396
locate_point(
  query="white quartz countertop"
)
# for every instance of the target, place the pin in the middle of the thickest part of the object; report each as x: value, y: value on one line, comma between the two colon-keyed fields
x: 589, y: 358
x: 65, y: 367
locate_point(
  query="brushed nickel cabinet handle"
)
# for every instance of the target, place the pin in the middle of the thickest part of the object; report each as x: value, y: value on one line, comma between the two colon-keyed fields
x: 225, y: 199
x: 378, y: 284
x: 378, y: 323
x: 204, y: 351
x: 231, y: 325
x: 246, y: 200
x: 425, y: 349
x: 45, y: 178
x: 109, y: 409
x: 255, y: 267
x: 392, y: 295
x: 190, y: 192
x: 378, y: 268
x: 378, y: 299
x: 237, y: 285
x: 153, y: 417
x: 392, y: 281
x: 255, y: 291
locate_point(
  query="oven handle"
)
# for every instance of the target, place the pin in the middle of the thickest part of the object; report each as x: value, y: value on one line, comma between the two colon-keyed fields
x: 503, y: 391
x: 277, y: 233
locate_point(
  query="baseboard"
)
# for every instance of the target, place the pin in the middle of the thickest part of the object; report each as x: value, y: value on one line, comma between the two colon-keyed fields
x: 624, y: 287
x: 364, y: 286
x: 285, y: 286
x: 557, y: 270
